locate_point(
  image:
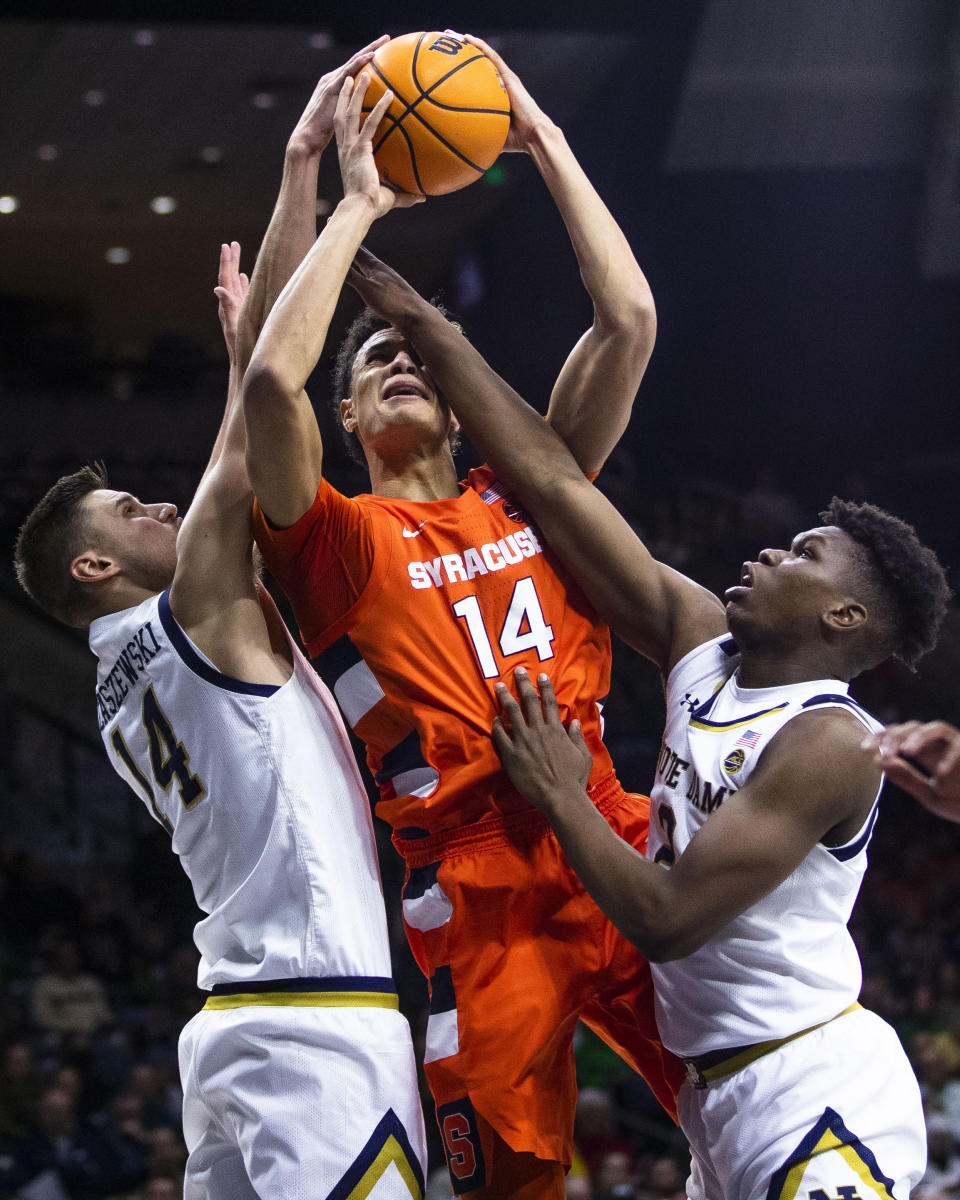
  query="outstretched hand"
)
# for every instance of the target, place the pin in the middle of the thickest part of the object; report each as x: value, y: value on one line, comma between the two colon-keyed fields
x: 315, y: 128
x: 358, y: 170
x: 231, y: 289
x: 526, y: 116
x: 547, y: 763
x: 383, y: 290
x: 924, y: 760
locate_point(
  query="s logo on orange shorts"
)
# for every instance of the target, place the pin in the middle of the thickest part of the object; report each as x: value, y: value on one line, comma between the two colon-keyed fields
x: 461, y: 1143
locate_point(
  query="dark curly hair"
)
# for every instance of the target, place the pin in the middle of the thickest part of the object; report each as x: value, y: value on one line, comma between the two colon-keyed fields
x: 365, y: 323
x: 908, y: 585
x: 49, y: 539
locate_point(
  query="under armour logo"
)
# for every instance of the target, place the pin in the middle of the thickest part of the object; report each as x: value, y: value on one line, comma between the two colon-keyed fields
x: 690, y: 703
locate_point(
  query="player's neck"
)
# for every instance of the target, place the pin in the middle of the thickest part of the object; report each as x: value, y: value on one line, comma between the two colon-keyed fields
x: 424, y: 476
x: 768, y: 668
x: 122, y: 595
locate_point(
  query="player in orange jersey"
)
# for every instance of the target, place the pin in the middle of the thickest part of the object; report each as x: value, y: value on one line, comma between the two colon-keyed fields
x: 414, y: 600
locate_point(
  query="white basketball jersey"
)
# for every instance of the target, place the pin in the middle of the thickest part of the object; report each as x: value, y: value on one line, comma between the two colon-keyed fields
x: 788, y: 962
x: 258, y: 787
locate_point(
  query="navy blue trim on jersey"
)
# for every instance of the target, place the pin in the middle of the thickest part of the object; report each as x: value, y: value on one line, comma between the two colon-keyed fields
x: 831, y: 698
x: 390, y: 1127
x: 845, y: 853
x: 420, y: 881
x: 310, y: 983
x: 729, y: 647
x: 406, y: 755
x: 699, y: 713
x: 336, y: 660
x: 829, y: 1121
x: 442, y: 996
x: 191, y: 659
x: 696, y: 718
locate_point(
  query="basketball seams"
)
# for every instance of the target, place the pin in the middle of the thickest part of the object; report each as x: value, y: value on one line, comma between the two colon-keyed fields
x: 412, y: 108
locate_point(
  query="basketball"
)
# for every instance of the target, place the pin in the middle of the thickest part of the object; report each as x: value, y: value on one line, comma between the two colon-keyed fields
x: 449, y: 117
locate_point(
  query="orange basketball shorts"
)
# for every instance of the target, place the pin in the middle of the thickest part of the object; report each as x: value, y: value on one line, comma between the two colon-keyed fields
x: 516, y: 953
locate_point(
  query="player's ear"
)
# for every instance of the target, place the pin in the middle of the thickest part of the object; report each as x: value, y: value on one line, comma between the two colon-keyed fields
x: 845, y: 615
x: 91, y: 567
x: 347, y: 416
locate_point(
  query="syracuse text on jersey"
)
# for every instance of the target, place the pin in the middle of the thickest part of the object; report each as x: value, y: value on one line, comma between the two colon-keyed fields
x: 475, y: 560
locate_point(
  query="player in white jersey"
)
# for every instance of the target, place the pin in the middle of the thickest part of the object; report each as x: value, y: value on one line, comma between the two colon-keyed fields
x: 298, y: 1074
x: 764, y: 801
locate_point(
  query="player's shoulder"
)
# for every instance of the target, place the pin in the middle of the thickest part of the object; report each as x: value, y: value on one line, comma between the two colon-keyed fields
x: 824, y: 743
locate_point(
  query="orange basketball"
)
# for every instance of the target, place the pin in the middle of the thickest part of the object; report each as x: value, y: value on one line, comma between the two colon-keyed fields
x: 449, y: 117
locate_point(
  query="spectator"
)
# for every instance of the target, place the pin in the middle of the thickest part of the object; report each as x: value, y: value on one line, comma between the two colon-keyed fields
x: 19, y: 1089
x: 594, y: 1134
x: 65, y: 999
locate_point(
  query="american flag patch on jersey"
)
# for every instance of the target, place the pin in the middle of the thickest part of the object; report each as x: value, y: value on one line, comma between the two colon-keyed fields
x: 490, y: 496
x: 749, y: 739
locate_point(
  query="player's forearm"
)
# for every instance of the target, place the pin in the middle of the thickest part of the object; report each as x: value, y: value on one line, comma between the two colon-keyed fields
x: 295, y: 331
x: 610, y: 272
x: 230, y: 435
x: 289, y: 237
x: 634, y: 894
x: 502, y: 426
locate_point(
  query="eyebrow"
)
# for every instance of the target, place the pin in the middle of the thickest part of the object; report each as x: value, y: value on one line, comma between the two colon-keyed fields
x: 802, y: 538
x: 385, y: 343
x: 122, y: 499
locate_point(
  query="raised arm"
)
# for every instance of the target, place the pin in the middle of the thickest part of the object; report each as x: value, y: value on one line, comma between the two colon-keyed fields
x: 213, y: 595
x: 594, y: 393
x: 284, y: 448
x: 761, y: 833
x: 293, y: 226
x: 654, y: 608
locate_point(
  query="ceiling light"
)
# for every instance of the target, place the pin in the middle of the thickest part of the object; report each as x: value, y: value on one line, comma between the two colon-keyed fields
x: 323, y: 206
x: 9, y: 204
x: 144, y: 37
x: 48, y: 152
x: 117, y: 255
x: 321, y: 41
x: 211, y: 154
x: 95, y: 97
x: 263, y: 100
x: 163, y: 204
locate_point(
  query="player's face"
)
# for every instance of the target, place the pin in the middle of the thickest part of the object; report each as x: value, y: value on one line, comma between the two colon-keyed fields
x: 393, y: 395
x: 782, y: 596
x: 142, y: 538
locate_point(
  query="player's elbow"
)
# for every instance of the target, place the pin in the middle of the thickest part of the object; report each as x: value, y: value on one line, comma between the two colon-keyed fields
x: 664, y: 935
x: 265, y: 383
x: 633, y: 316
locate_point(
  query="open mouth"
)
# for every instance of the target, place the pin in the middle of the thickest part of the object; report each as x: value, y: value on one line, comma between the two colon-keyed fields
x: 746, y: 575
x: 404, y: 386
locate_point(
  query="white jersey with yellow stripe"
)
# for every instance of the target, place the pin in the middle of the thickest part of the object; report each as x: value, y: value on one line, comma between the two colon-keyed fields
x: 788, y: 962
x: 259, y: 790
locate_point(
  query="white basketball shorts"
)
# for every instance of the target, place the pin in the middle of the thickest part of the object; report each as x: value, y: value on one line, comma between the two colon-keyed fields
x: 833, y: 1115
x: 301, y: 1103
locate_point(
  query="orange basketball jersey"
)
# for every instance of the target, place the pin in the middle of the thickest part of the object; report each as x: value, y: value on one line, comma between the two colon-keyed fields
x: 411, y: 612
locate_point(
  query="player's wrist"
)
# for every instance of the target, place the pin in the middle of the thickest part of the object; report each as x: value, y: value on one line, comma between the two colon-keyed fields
x: 303, y: 149
x: 543, y: 140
